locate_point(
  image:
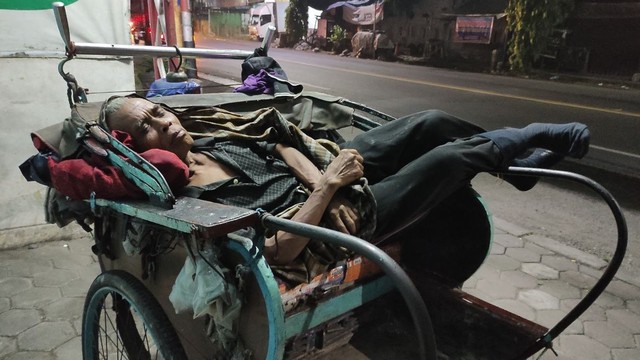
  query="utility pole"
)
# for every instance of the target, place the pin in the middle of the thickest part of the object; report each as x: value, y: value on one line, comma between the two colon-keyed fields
x: 187, y: 36
x: 375, y: 13
x: 425, y: 50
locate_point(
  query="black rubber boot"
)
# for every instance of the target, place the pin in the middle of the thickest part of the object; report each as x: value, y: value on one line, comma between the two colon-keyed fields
x: 570, y: 139
x: 540, y: 158
x: 565, y: 139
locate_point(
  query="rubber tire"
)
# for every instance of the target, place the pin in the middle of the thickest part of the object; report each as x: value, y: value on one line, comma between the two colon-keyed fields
x: 134, y: 292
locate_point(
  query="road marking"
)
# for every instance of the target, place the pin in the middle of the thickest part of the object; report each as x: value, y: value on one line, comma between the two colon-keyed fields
x: 624, y: 153
x: 233, y: 83
x: 475, y: 91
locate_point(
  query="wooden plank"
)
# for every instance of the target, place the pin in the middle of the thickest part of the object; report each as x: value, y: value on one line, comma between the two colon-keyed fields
x: 188, y: 215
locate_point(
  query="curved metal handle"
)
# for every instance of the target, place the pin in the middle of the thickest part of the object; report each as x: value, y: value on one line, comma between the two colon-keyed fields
x: 610, y: 271
x: 417, y: 307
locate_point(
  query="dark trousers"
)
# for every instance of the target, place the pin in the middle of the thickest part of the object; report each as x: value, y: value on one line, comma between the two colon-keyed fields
x: 417, y: 161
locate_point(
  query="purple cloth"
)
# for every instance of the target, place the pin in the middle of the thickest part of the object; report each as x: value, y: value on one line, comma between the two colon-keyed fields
x: 260, y: 83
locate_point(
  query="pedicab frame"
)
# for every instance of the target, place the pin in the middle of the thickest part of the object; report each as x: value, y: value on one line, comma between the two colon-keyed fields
x: 199, y: 221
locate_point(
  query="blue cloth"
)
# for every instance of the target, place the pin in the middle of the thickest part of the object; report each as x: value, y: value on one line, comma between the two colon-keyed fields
x: 162, y: 87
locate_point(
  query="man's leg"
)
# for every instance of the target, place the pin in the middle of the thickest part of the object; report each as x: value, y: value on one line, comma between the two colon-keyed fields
x: 434, y: 175
x: 389, y: 147
x: 424, y: 182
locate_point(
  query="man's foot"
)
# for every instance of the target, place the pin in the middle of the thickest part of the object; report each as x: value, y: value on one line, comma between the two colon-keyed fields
x: 570, y: 139
x: 565, y: 139
x: 540, y: 158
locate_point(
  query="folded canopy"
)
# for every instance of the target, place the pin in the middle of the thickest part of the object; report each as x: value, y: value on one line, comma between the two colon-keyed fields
x: 330, y: 4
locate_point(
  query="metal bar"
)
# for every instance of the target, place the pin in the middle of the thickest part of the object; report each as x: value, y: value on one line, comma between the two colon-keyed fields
x: 405, y: 286
x: 363, y: 123
x: 165, y: 51
x: 143, y: 181
x: 610, y: 271
x: 270, y: 293
x: 157, y: 51
x: 145, y: 211
x: 268, y: 38
x: 370, y: 111
x: 146, y: 176
x: 63, y: 24
x: 157, y: 180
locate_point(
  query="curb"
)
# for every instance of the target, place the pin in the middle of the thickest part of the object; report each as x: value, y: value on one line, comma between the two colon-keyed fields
x: 567, y: 251
x: 559, y: 248
x: 29, y: 235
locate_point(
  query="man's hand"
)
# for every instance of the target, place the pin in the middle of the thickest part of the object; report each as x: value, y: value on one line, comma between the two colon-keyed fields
x: 346, y: 168
x: 342, y: 214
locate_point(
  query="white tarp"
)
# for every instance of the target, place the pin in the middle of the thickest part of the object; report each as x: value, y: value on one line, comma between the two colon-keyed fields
x: 29, y: 26
x: 364, y: 15
x: 34, y: 94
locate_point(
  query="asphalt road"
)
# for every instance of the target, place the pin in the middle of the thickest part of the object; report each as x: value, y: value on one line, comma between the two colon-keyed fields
x: 558, y: 209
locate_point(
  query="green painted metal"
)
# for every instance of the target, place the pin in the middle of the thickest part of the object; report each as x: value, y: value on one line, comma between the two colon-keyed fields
x: 187, y: 215
x: 146, y: 176
x: 148, y: 212
x: 270, y: 293
x: 30, y: 4
x: 489, y: 218
x: 143, y: 180
x: 327, y: 310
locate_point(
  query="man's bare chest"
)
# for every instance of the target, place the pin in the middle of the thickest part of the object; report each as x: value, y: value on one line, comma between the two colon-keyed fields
x: 203, y: 170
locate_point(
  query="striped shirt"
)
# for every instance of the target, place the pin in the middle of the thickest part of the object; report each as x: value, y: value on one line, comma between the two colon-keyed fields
x: 264, y: 181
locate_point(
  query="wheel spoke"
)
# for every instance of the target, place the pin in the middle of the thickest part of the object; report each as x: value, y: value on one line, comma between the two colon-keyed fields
x: 107, y: 326
x: 122, y: 320
x: 145, y: 339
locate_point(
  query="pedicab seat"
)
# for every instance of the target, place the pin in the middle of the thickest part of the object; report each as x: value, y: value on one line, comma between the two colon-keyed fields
x: 458, y: 229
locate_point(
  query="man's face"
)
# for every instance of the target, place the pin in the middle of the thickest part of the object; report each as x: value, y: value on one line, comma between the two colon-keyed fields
x: 151, y: 127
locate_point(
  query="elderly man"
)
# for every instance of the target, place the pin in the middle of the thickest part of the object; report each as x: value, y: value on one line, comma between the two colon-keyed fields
x: 411, y: 165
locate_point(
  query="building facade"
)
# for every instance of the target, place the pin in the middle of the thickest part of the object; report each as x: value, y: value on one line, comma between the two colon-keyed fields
x: 599, y: 37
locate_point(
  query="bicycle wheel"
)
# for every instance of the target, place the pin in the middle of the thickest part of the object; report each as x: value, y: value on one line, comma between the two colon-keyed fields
x: 122, y: 320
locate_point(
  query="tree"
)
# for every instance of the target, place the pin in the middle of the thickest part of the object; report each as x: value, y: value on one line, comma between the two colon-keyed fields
x: 530, y: 22
x: 296, y: 20
x: 400, y: 7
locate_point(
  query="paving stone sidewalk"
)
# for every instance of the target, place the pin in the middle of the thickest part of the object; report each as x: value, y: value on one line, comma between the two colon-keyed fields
x: 541, y: 279
x: 42, y: 290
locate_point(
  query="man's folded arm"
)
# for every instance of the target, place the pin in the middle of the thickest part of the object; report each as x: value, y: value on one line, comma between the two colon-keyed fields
x: 339, y: 212
x: 303, y: 169
x: 283, y: 247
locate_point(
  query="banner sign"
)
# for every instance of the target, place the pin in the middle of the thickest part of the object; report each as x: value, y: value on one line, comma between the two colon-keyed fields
x: 363, y: 15
x: 349, y: 3
x: 473, y: 29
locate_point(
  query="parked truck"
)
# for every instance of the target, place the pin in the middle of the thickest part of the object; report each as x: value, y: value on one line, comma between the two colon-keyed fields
x: 268, y: 13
